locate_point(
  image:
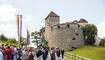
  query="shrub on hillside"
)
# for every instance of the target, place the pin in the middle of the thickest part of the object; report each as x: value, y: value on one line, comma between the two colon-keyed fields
x: 102, y: 42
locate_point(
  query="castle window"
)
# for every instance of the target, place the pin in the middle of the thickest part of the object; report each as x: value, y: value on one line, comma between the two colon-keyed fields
x: 78, y: 26
x: 73, y: 47
x: 73, y: 39
x: 58, y: 27
x: 51, y: 28
x: 76, y: 34
x: 68, y: 25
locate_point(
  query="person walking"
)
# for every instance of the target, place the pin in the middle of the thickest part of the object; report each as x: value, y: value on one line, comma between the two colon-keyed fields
x: 58, y: 53
x: 52, y: 54
x: 8, y: 53
x: 44, y: 55
x: 1, y: 55
x: 62, y: 52
x: 46, y: 52
x: 24, y: 55
x: 19, y: 53
x: 38, y: 54
x: 31, y: 57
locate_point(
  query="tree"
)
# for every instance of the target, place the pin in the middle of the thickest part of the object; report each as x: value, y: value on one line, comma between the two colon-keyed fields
x: 23, y: 41
x: 90, y: 32
x: 3, y: 38
x: 45, y: 44
x: 36, y: 37
x: 102, y: 42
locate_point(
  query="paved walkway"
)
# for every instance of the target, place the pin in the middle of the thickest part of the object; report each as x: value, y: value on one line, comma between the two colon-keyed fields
x: 49, y: 58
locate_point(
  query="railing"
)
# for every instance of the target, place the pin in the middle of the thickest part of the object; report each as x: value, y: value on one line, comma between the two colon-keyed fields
x: 76, y: 57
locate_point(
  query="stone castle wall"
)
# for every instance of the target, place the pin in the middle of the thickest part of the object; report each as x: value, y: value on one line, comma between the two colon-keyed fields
x: 66, y: 36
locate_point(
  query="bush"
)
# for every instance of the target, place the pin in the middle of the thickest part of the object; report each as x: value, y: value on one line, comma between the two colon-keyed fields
x: 102, y: 42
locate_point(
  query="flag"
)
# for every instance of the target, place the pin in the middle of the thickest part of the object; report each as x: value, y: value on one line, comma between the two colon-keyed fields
x: 19, y: 27
x: 28, y: 37
x: 42, y: 36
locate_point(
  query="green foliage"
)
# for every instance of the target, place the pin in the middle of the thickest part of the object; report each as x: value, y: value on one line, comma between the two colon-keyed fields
x: 102, y: 42
x: 3, y: 38
x: 12, y: 40
x: 36, y: 37
x: 90, y: 31
x: 23, y: 42
x: 46, y: 45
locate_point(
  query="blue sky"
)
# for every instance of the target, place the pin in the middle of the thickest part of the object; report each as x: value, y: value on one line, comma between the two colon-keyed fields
x: 35, y: 11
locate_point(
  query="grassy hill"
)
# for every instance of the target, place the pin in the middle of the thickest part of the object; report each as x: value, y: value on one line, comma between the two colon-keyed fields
x: 92, y: 52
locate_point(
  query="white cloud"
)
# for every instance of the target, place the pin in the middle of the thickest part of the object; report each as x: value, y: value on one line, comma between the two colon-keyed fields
x: 8, y: 29
x: 101, y: 29
x: 7, y: 12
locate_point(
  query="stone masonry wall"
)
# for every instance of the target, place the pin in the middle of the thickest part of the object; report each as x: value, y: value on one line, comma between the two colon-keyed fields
x: 66, y: 36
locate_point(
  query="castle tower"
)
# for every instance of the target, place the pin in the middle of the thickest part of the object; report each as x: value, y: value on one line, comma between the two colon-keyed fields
x: 51, y: 20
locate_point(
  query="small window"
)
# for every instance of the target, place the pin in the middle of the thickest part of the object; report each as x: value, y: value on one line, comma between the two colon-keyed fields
x: 78, y: 26
x: 73, y: 39
x: 76, y: 34
x: 72, y: 47
x: 58, y: 27
x: 68, y: 25
x: 51, y: 28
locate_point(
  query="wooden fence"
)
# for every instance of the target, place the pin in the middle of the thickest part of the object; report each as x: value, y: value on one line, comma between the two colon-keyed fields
x: 76, y: 57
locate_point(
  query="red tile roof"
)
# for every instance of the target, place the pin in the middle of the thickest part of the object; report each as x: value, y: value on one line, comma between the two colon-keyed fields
x: 51, y: 14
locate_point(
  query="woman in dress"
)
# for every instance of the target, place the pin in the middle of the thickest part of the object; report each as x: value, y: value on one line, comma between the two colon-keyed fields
x: 52, y: 54
x: 31, y: 57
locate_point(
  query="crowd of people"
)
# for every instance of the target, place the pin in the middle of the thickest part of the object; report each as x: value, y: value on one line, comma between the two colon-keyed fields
x: 10, y: 52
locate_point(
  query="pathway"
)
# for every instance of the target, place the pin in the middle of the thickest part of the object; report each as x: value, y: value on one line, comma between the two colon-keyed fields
x: 49, y: 58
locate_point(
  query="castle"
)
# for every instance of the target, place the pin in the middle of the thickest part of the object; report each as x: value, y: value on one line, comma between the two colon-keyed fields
x: 67, y: 35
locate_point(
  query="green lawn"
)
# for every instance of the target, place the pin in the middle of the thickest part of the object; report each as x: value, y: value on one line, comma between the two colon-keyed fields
x: 92, y: 52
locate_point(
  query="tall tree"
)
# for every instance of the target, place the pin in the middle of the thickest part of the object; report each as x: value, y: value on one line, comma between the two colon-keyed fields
x: 36, y: 37
x: 90, y: 32
x: 3, y: 38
